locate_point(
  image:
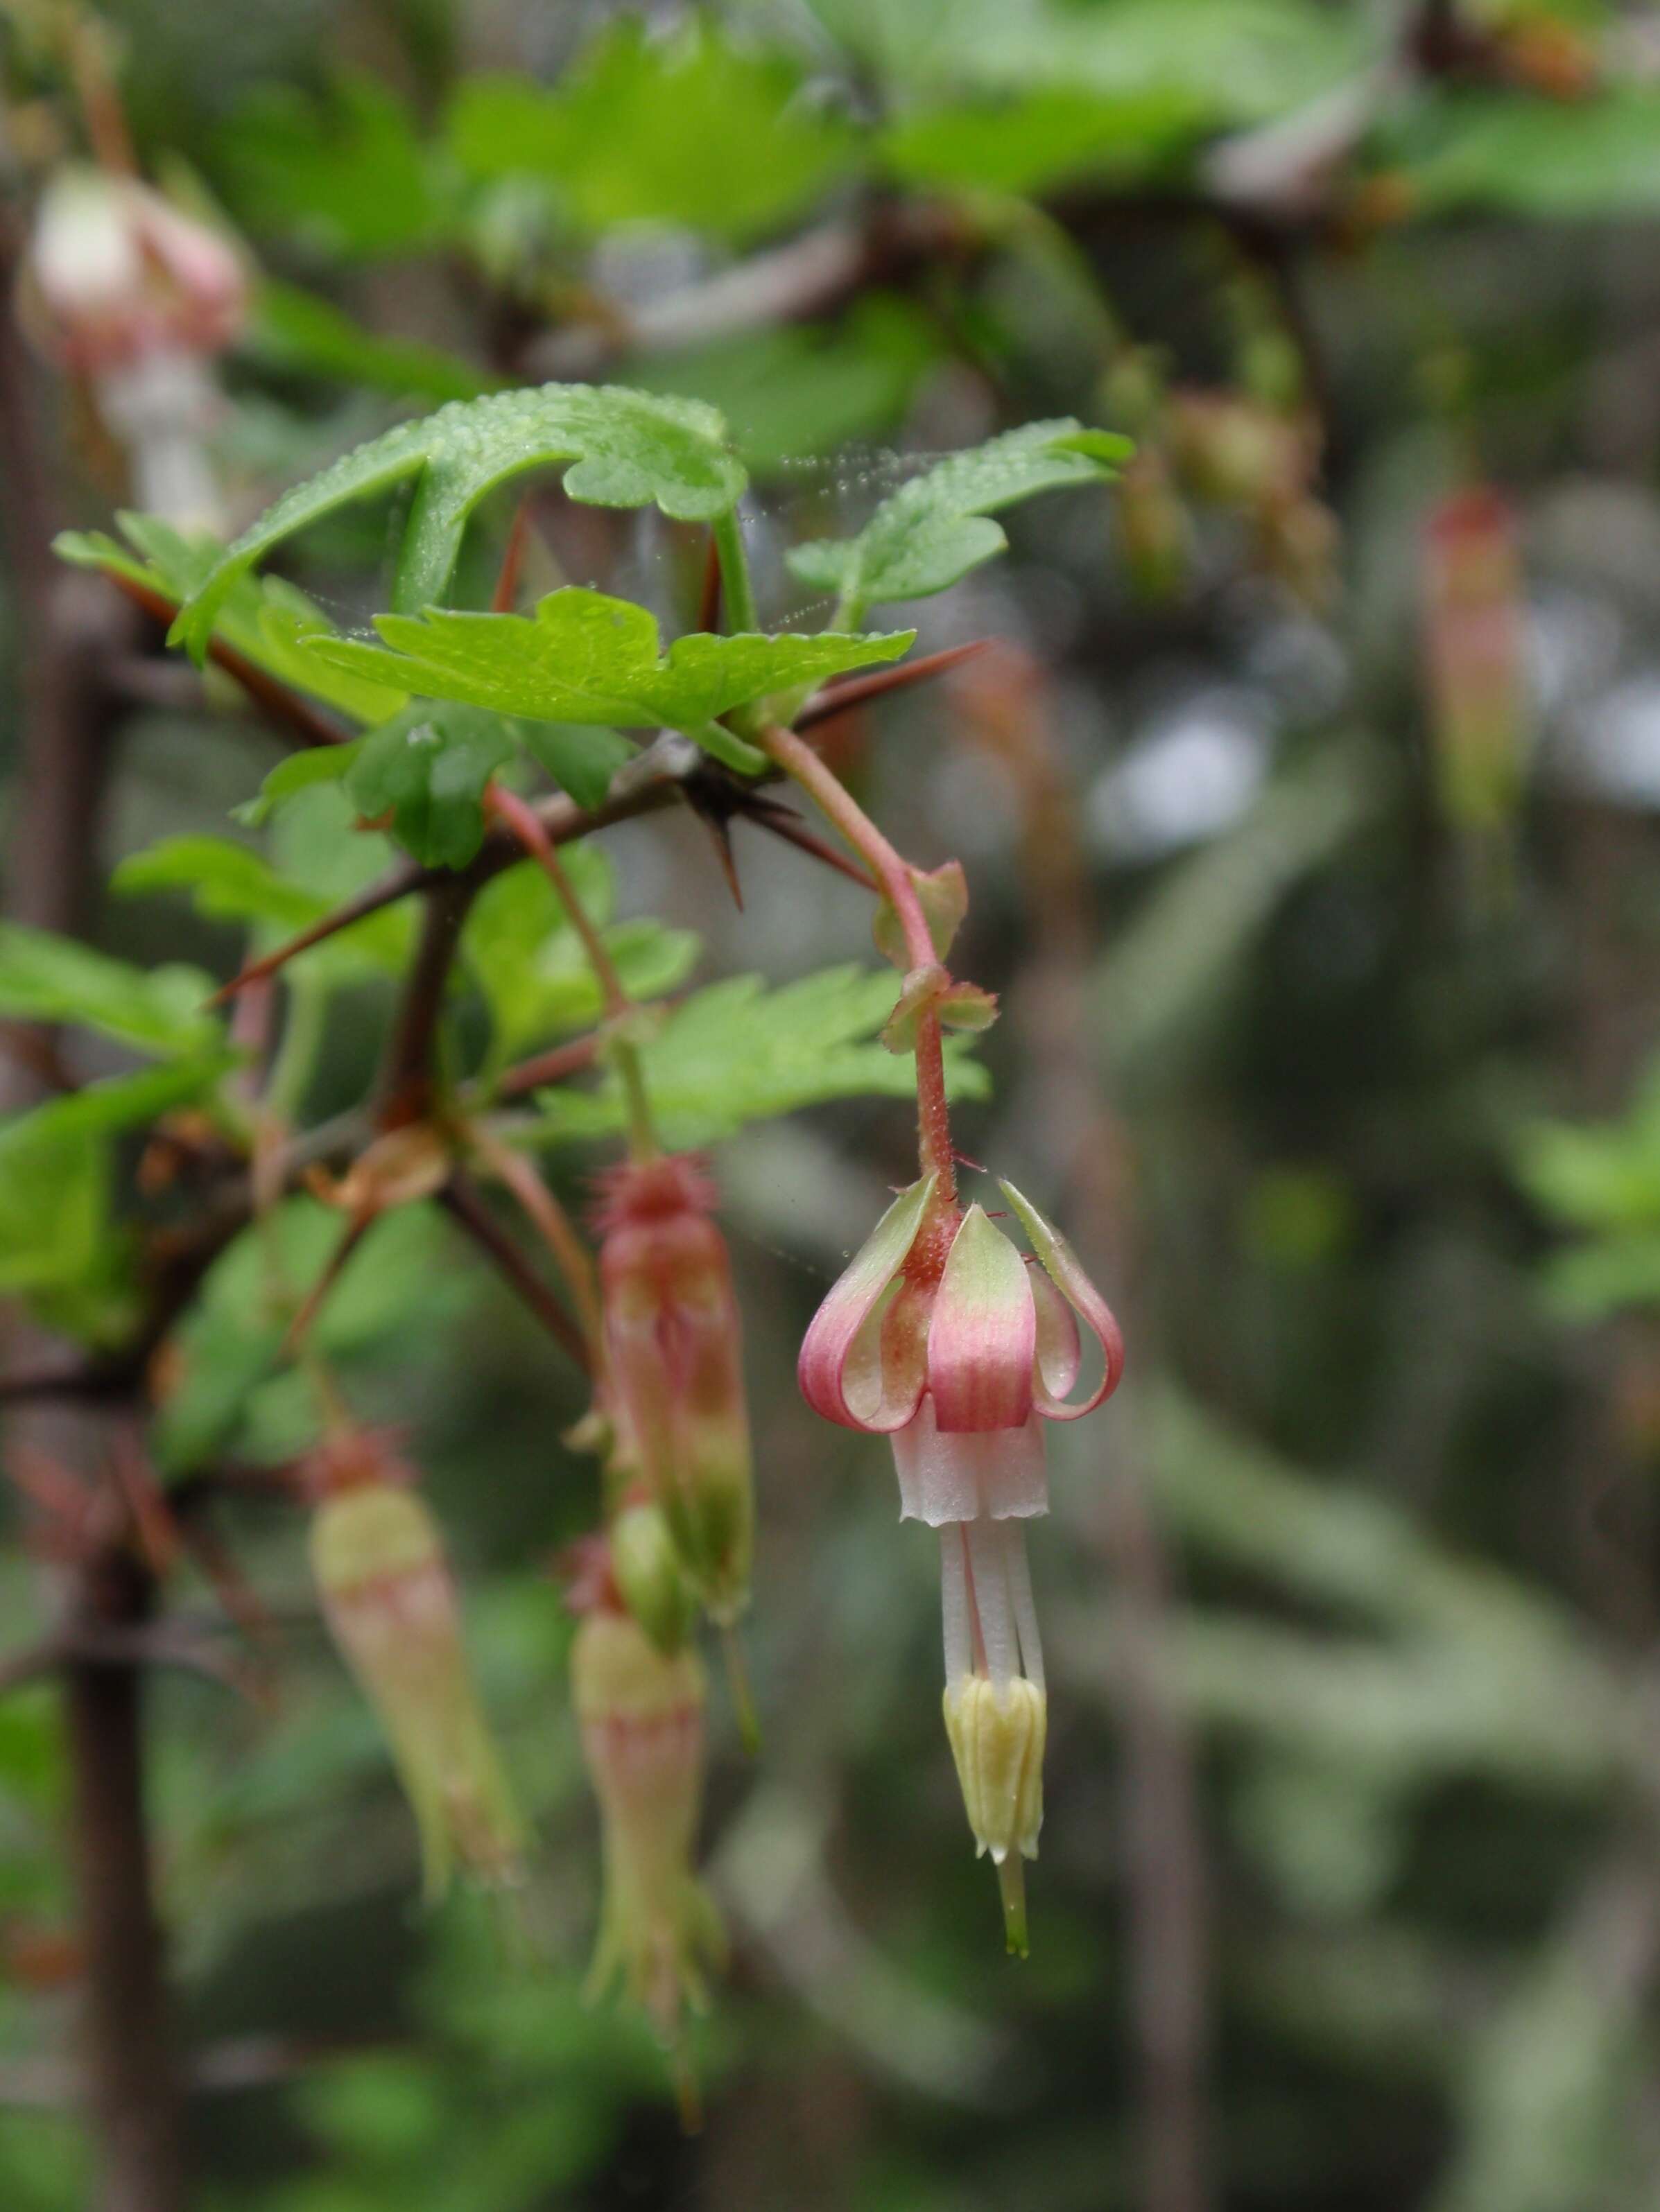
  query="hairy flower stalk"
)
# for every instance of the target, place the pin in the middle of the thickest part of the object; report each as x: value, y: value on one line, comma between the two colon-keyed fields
x: 390, y: 1605
x: 122, y: 288
x: 942, y: 1337
x: 641, y: 1713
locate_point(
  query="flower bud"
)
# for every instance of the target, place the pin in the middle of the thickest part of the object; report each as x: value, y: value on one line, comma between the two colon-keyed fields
x: 641, y: 1716
x: 391, y: 1606
x: 1476, y: 657
x: 645, y: 1568
x: 673, y: 1367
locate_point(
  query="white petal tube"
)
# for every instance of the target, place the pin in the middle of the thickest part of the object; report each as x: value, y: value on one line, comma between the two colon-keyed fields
x: 954, y: 1603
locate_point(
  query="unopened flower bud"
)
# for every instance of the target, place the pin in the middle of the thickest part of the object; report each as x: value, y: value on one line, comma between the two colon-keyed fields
x: 641, y: 1715
x: 391, y: 1606
x: 674, y: 1367
x: 645, y: 1568
x: 1476, y: 657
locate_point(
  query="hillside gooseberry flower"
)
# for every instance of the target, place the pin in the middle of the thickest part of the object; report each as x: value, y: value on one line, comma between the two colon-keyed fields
x: 641, y: 1713
x: 390, y: 1602
x: 123, y: 288
x: 941, y: 1336
x: 673, y: 1366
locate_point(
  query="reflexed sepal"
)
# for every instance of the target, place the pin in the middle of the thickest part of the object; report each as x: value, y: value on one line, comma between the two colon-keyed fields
x: 861, y: 1361
x: 1057, y: 1362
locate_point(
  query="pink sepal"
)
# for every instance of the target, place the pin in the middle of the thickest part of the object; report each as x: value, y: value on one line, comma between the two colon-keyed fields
x: 984, y: 1333
x: 1060, y: 1264
x: 836, y: 1350
x: 1059, y: 1353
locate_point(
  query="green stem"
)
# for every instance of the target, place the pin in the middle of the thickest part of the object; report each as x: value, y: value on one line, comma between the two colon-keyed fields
x: 736, y: 588
x: 848, y: 614
x: 643, y: 1142
x: 303, y: 1034
x: 570, y: 1255
x: 624, y: 1054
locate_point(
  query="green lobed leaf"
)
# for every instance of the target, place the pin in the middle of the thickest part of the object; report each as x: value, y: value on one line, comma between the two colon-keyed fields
x: 345, y: 174
x: 629, y: 133
x: 738, y: 1053
x: 233, y: 1337
x: 263, y: 618
x: 428, y: 768
x: 1043, y: 139
x: 54, y: 1206
x: 294, y: 329
x: 582, y: 761
x: 800, y: 392
x: 299, y: 772
x: 938, y: 527
x: 585, y: 657
x: 47, y: 978
x: 1582, y: 160
x: 627, y: 449
x: 55, y: 1170
x: 229, y: 882
x: 529, y: 963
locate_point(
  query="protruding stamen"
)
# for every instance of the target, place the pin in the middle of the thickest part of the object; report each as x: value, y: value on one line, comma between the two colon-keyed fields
x: 990, y: 1582
x: 954, y: 1603
x: 1012, y: 1535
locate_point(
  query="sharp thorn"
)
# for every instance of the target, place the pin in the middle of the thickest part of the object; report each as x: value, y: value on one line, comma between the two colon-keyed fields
x: 858, y: 689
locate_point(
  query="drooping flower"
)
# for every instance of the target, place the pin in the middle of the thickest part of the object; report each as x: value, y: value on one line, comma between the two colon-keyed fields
x: 641, y: 1713
x: 390, y: 1605
x: 941, y: 1336
x: 121, y: 287
x: 674, y: 1366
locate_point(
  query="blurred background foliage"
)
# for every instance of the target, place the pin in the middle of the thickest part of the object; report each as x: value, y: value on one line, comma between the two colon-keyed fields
x: 1326, y: 1027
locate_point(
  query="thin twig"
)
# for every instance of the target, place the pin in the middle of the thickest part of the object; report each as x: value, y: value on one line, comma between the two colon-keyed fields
x: 461, y: 1199
x: 407, y: 1082
x: 294, y: 717
x: 546, y: 1067
x: 561, y: 817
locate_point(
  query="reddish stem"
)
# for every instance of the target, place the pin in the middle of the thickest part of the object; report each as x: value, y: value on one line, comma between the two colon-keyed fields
x: 798, y: 759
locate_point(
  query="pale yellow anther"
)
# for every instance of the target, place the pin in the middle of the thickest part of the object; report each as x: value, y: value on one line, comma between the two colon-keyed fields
x: 997, y: 1739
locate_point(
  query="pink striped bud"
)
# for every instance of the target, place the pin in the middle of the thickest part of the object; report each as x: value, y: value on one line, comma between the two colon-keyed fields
x: 1476, y: 657
x: 390, y: 1605
x: 673, y: 1366
x: 641, y: 1713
